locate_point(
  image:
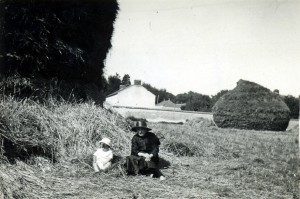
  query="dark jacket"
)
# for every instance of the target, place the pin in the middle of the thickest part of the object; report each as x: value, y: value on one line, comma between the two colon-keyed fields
x: 146, y: 144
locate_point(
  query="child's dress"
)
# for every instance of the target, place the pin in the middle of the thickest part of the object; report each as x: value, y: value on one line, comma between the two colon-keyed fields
x: 102, y: 159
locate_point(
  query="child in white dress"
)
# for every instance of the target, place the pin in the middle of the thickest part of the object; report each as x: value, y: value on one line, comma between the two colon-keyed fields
x: 103, y: 156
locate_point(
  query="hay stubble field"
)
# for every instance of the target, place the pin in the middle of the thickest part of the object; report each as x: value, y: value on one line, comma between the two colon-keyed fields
x: 198, y: 159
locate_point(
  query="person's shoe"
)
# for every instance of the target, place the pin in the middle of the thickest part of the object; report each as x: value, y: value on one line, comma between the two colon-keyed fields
x: 162, y: 178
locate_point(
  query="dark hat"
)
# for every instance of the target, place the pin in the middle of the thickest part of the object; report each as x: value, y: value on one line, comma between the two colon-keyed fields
x: 140, y: 125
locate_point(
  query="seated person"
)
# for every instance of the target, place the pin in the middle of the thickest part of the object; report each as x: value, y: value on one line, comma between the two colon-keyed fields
x: 103, y: 156
x: 144, y: 152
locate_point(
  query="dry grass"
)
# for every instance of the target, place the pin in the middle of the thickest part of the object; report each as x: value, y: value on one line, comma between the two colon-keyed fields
x: 220, y: 163
x: 58, y: 130
x: 240, y: 163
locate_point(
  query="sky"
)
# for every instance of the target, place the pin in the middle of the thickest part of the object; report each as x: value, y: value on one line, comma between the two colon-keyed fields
x: 207, y: 46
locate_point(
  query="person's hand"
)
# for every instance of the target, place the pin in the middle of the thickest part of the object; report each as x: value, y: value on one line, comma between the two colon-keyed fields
x: 148, y: 157
x: 141, y: 154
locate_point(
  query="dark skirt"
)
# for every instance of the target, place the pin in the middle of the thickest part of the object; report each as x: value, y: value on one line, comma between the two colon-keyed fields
x: 137, y: 165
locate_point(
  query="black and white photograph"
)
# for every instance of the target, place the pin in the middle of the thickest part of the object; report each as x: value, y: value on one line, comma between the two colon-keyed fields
x: 148, y: 99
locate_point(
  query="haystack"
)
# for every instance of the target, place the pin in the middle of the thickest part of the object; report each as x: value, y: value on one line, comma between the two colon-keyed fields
x: 56, y: 39
x: 60, y: 131
x: 251, y: 106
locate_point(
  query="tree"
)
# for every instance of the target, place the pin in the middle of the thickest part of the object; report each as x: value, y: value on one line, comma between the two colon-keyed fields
x: 114, y: 83
x: 126, y: 80
x: 195, y: 101
x: 161, y: 94
x: 182, y: 98
x: 293, y: 104
x: 104, y: 84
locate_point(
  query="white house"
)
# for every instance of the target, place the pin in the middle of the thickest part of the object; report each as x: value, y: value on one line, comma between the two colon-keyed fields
x: 132, y: 96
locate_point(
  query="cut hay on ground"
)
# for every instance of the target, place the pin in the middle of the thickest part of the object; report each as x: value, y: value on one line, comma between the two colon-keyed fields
x: 251, y: 106
x: 234, y: 163
x: 20, y: 181
x: 200, y: 122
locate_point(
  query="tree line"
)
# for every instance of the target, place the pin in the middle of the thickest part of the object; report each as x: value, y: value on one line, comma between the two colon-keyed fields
x: 192, y: 101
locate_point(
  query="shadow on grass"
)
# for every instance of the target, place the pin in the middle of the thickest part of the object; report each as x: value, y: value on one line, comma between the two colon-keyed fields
x: 119, y: 160
x: 13, y: 151
x: 163, y: 164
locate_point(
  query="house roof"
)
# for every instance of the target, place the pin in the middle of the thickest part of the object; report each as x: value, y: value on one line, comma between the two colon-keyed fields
x: 118, y: 91
x: 168, y: 103
x: 124, y: 88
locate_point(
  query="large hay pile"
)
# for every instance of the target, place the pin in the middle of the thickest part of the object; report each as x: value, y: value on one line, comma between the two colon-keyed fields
x: 58, y: 130
x: 57, y: 38
x: 41, y: 89
x: 251, y: 106
x: 41, y: 138
x: 63, y: 39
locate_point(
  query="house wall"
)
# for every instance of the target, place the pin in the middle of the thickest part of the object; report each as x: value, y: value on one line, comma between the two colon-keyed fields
x: 133, y: 96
